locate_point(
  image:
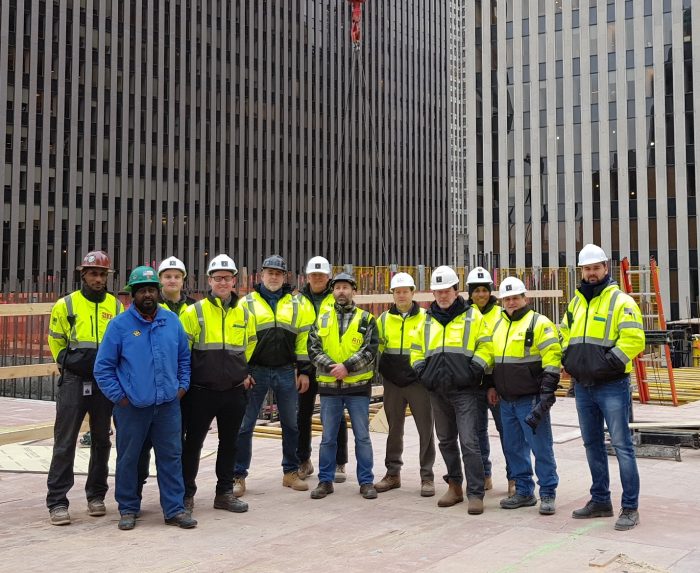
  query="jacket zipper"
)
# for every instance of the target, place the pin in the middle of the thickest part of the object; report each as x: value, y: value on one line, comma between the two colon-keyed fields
x: 403, y: 323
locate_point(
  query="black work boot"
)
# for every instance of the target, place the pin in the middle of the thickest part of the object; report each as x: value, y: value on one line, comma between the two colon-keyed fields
x: 230, y: 502
x: 593, y: 509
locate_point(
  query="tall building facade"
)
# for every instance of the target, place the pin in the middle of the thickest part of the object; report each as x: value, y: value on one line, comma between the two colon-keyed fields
x: 190, y: 127
x: 584, y: 132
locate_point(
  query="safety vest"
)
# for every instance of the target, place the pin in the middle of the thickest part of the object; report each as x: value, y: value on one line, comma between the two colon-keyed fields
x: 491, y: 317
x: 291, y: 315
x: 594, y: 332
x: 522, y: 350
x: 222, y: 341
x: 79, y: 324
x: 395, y: 334
x: 340, y: 348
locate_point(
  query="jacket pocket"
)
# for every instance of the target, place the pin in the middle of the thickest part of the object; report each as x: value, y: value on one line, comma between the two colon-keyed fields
x: 591, y: 364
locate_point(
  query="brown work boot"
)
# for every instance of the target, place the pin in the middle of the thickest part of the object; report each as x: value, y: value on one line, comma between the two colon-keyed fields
x: 96, y: 507
x: 238, y: 486
x: 292, y: 479
x: 453, y: 495
x: 340, y: 475
x: 427, y: 488
x: 488, y: 483
x: 322, y: 490
x: 306, y: 469
x: 476, y: 506
x: 511, y: 487
x: 388, y: 482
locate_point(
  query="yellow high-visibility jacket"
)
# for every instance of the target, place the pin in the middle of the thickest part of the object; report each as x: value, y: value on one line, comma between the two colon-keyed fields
x: 600, y: 338
x: 395, y: 334
x: 526, y: 355
x: 222, y: 341
x: 77, y: 326
x: 451, y: 357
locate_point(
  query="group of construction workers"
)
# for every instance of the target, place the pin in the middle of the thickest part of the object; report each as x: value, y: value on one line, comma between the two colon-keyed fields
x: 167, y: 366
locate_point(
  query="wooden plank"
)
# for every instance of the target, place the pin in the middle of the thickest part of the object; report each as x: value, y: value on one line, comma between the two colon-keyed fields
x: 33, y: 309
x: 28, y: 370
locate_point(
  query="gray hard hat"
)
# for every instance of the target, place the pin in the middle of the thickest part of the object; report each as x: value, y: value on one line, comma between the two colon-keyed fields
x: 344, y: 278
x: 275, y: 262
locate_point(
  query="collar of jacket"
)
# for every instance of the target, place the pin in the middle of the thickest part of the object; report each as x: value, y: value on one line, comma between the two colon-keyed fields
x: 590, y: 291
x: 444, y: 317
x: 216, y: 301
x: 91, y: 295
x: 415, y: 309
x: 518, y: 314
x: 285, y: 289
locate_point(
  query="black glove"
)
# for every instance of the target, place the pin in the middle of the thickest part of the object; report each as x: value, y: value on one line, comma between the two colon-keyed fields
x: 534, y: 418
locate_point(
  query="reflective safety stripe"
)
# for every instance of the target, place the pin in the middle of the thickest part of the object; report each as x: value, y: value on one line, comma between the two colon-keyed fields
x: 268, y: 325
x: 416, y: 347
x: 304, y: 357
x: 217, y: 346
x: 324, y: 320
x: 589, y: 340
x: 55, y: 334
x: 611, y: 310
x: 621, y: 355
x: 629, y: 325
x: 449, y: 350
x: 383, y: 319
x: 546, y: 343
x: 551, y: 369
x: 295, y: 313
x: 516, y: 360
x: 202, y: 326
x: 480, y: 362
x: 396, y: 351
x: 467, y: 327
x: 426, y: 334
x: 75, y: 345
x: 251, y: 303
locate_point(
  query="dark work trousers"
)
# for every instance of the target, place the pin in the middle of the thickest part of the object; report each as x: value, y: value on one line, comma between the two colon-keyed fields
x: 307, y: 402
x: 396, y: 399
x: 71, y: 407
x: 199, y: 407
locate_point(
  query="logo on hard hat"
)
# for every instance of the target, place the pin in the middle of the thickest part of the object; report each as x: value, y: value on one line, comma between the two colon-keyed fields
x: 148, y: 273
x: 480, y: 275
x: 509, y: 287
x: 173, y: 263
x: 90, y: 259
x: 224, y: 263
x: 317, y: 265
x: 438, y: 279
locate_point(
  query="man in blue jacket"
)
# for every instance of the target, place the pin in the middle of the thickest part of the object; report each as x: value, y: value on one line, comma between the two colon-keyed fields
x: 143, y: 367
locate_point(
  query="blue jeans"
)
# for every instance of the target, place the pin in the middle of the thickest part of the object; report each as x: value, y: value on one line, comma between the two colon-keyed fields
x: 332, y: 411
x: 519, y: 441
x: 162, y: 424
x: 608, y: 404
x: 282, y: 381
x: 456, y: 415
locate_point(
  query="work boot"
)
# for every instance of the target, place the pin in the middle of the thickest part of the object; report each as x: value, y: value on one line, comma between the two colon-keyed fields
x: 488, y: 483
x: 238, y: 486
x: 323, y: 489
x: 388, y: 482
x: 368, y: 491
x: 340, y: 475
x: 127, y: 522
x: 183, y: 520
x: 518, y: 500
x: 547, y: 505
x: 628, y: 519
x: 511, y: 487
x: 306, y: 469
x: 427, y: 488
x: 593, y: 509
x: 453, y: 495
x: 229, y: 502
x: 475, y: 506
x: 188, y: 502
x: 292, y: 479
x: 59, y: 515
x: 96, y: 508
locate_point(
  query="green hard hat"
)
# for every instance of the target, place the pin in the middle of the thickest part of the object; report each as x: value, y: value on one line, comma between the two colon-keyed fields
x: 142, y: 276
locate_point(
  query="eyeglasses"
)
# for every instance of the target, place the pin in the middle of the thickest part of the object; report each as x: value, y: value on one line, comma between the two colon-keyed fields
x: 222, y: 279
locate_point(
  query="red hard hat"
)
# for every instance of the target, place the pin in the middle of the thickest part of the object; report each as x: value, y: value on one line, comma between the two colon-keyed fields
x: 95, y: 260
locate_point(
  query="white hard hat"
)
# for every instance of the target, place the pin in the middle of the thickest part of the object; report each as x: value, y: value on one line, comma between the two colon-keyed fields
x: 222, y: 263
x: 511, y: 286
x: 402, y: 280
x: 172, y: 263
x: 318, y: 265
x: 591, y: 254
x: 479, y: 276
x: 443, y: 277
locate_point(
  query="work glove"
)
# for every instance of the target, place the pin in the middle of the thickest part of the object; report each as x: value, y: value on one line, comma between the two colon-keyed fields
x: 540, y: 410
